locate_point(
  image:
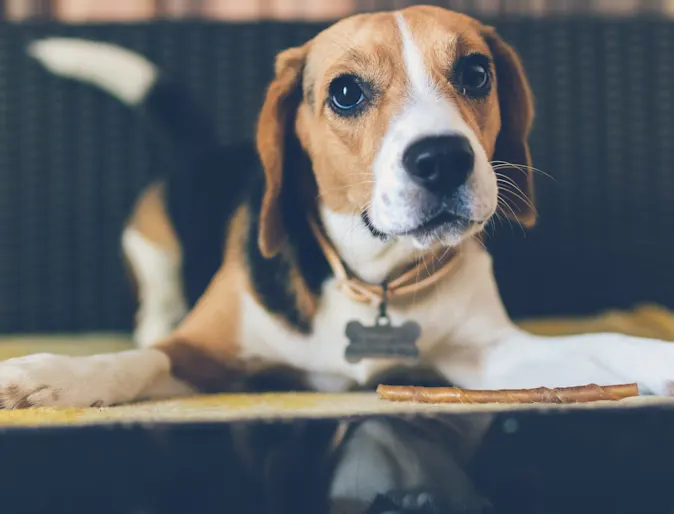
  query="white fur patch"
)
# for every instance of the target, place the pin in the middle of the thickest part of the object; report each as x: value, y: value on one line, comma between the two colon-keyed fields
x: 121, y: 72
x: 526, y: 361
x: 370, y: 258
x: 162, y: 303
x: 421, y: 84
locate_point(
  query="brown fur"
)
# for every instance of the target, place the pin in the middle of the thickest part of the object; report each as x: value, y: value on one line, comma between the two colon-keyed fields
x: 201, y: 368
x: 150, y: 219
x: 271, y: 133
x: 341, y: 149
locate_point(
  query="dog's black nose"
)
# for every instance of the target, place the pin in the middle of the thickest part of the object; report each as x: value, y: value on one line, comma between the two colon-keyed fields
x: 439, y: 163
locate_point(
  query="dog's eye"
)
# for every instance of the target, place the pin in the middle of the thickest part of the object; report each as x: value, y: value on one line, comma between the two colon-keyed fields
x: 346, y: 94
x: 472, y: 75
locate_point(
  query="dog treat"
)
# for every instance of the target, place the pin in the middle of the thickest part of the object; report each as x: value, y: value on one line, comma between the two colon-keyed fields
x: 579, y: 394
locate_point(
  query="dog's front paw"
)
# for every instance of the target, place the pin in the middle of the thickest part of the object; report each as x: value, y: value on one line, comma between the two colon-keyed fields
x: 41, y: 380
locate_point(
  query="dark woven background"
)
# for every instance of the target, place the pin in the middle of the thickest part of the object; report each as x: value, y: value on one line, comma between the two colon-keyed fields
x: 72, y: 161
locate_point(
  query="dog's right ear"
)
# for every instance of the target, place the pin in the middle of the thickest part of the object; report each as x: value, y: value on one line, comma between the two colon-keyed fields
x: 517, y: 115
x: 276, y: 118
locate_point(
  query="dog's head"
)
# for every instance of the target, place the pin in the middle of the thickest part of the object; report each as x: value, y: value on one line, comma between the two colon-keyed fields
x: 402, y: 115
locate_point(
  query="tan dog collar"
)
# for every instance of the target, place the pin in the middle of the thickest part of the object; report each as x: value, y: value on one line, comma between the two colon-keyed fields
x: 429, y: 270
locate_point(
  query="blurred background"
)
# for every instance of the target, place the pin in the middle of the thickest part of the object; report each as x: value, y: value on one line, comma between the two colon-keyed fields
x: 73, y: 160
x: 125, y: 10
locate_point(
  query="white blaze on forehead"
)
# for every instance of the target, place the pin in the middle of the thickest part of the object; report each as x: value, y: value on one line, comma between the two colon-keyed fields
x: 425, y: 99
x: 414, y: 61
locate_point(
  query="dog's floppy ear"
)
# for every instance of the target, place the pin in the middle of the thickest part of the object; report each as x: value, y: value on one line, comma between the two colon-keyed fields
x: 517, y: 116
x: 276, y: 119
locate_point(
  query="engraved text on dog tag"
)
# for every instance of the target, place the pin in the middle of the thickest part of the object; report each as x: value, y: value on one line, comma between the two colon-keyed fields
x: 382, y: 340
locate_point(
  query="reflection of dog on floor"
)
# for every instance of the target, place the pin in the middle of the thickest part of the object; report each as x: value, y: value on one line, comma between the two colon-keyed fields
x: 376, y: 465
x: 391, y: 465
x: 381, y: 465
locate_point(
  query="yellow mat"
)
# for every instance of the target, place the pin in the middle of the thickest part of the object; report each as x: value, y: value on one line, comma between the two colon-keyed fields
x: 237, y: 407
x: 645, y: 321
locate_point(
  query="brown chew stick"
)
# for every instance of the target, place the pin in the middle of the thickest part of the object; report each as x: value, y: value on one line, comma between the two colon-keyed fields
x: 580, y: 394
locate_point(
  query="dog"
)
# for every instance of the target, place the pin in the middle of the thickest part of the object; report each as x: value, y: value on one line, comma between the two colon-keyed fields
x: 384, y: 147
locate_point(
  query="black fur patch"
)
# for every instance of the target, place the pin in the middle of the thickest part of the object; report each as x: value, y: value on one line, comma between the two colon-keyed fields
x: 175, y: 116
x: 271, y: 277
x: 201, y: 201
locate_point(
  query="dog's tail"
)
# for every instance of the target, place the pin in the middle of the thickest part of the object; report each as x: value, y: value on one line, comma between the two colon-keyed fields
x: 135, y: 81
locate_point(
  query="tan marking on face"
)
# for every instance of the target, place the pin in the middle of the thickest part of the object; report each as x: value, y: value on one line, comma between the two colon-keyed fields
x: 343, y: 150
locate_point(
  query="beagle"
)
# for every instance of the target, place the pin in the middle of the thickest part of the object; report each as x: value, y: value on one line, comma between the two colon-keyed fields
x: 390, y: 140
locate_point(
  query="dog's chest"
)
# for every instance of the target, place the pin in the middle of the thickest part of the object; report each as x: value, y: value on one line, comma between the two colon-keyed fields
x: 321, y: 352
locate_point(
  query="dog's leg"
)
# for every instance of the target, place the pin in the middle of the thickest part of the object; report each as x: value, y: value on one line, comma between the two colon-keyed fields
x: 182, y: 364
x: 523, y: 360
x: 98, y: 380
x: 161, y: 301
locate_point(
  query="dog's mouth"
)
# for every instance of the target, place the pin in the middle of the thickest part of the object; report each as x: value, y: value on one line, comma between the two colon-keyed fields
x: 373, y: 230
x: 434, y: 225
x: 440, y: 222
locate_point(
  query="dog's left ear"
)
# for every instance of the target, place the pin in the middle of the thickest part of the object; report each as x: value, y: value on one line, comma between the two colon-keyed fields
x: 276, y: 119
x: 517, y: 115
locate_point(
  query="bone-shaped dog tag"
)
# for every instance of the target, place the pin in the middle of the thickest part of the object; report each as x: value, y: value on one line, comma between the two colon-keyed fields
x: 382, y: 341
